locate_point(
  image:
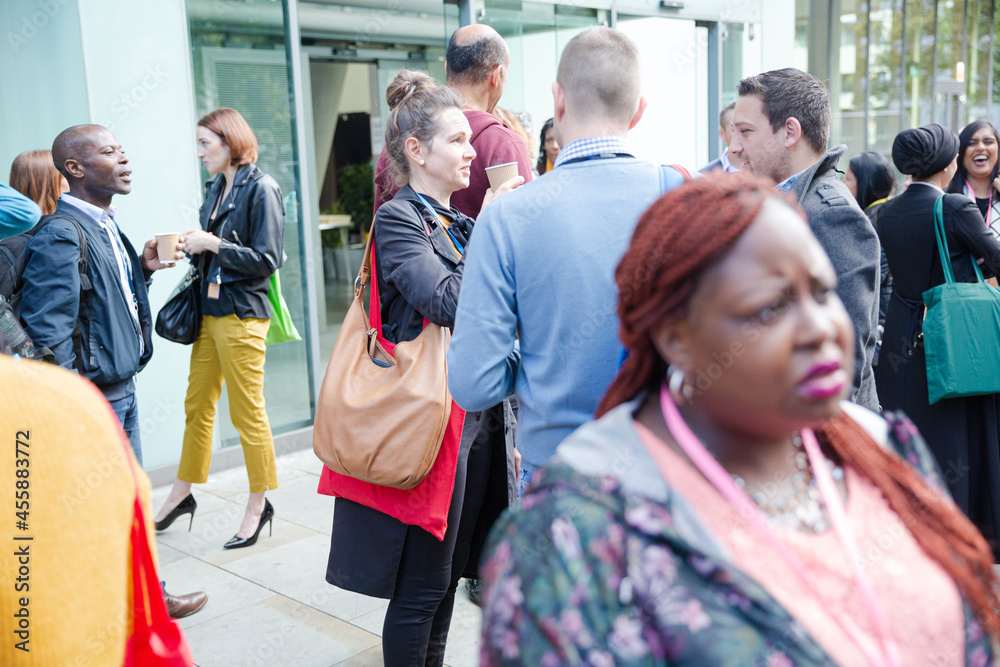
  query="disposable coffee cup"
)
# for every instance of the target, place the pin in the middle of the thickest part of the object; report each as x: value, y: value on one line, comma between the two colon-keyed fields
x: 166, y: 247
x: 500, y: 174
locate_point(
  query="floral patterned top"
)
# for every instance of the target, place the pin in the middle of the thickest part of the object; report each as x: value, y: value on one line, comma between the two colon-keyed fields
x: 607, y: 565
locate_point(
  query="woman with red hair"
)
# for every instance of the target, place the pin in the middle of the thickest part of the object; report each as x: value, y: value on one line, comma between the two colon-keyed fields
x: 728, y: 506
x: 236, y: 250
x: 34, y: 175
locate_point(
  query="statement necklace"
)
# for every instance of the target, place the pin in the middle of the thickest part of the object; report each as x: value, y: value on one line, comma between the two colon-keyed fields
x: 800, y: 507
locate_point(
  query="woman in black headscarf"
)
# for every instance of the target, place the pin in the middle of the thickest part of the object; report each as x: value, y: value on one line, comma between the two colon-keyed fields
x: 962, y: 432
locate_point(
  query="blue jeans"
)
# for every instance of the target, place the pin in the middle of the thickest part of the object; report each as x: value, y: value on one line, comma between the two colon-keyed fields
x: 127, y: 410
x: 527, y: 470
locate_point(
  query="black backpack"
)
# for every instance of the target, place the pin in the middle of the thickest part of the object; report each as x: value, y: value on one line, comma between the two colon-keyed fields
x: 13, y: 257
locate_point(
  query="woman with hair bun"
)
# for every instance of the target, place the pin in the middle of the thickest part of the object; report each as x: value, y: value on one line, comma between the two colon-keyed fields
x: 418, y: 250
x: 728, y: 506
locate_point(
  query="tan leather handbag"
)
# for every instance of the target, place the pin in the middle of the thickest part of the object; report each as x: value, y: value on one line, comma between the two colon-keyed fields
x: 383, y: 408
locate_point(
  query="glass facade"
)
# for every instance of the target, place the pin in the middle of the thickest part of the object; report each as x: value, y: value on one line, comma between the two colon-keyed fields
x: 310, y: 79
x: 228, y: 50
x: 536, y: 33
x: 900, y: 64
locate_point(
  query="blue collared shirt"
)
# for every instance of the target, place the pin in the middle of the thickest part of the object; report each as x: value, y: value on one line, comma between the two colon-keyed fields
x: 611, y: 144
x: 727, y: 166
x: 787, y: 184
x: 106, y: 220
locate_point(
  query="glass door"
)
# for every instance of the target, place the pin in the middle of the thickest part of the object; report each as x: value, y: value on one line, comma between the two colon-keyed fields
x: 241, y: 60
x: 674, y: 60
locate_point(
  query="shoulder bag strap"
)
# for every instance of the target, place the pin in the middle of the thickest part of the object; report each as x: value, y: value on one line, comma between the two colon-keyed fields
x: 942, y: 243
x: 366, y: 275
x: 83, y: 265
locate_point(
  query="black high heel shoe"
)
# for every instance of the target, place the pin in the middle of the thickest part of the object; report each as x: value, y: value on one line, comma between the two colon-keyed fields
x: 186, y: 506
x: 265, y: 517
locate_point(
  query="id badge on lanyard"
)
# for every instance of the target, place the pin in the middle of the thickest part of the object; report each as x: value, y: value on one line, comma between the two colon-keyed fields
x: 215, y: 286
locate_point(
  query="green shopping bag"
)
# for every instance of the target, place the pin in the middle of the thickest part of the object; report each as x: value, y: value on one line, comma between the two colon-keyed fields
x: 961, y: 330
x: 282, y: 328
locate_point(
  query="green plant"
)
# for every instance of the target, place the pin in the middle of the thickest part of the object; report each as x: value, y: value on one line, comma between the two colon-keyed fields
x: 357, y: 193
x: 336, y: 208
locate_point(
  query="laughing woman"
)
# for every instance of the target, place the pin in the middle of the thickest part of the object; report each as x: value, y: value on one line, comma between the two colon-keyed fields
x: 977, y: 174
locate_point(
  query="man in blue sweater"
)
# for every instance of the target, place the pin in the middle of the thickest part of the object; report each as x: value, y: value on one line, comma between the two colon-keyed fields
x: 537, y: 310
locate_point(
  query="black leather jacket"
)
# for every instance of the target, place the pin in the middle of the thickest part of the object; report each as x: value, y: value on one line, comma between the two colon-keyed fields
x: 251, y: 224
x: 419, y: 272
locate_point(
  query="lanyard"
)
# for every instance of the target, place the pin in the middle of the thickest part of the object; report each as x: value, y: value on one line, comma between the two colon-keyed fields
x: 989, y: 207
x: 458, y: 245
x: 595, y: 156
x: 887, y: 654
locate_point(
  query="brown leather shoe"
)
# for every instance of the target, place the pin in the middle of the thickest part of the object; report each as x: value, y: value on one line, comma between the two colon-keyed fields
x: 179, y: 606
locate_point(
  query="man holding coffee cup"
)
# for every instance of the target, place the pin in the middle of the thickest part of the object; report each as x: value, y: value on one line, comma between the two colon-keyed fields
x: 100, y: 327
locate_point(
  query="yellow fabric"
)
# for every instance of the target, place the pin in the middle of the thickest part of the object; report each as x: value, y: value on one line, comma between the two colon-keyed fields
x: 445, y: 225
x: 229, y: 349
x: 877, y: 202
x: 548, y: 165
x: 80, y: 507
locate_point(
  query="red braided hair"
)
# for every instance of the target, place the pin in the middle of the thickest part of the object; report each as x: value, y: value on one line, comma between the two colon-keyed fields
x: 675, y: 239
x: 689, y: 229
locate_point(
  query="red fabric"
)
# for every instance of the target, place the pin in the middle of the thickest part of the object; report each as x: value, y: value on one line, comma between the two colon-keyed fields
x: 495, y: 144
x: 156, y: 639
x: 425, y: 505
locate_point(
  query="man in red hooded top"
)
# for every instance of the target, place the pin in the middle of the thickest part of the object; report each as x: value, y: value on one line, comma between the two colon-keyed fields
x: 477, y: 63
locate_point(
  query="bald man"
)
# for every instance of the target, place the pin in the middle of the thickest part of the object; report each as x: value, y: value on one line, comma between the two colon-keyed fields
x: 101, y: 330
x: 477, y: 62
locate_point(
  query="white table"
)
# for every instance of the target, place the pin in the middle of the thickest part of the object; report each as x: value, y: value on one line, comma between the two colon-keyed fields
x: 342, y: 223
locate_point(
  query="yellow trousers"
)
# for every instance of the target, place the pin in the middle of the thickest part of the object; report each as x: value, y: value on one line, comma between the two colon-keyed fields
x: 229, y: 349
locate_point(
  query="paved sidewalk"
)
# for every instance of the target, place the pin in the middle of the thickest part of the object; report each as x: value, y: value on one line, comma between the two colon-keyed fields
x: 269, y: 604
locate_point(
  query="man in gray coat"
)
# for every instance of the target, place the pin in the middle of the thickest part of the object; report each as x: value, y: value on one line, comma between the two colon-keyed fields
x: 782, y: 126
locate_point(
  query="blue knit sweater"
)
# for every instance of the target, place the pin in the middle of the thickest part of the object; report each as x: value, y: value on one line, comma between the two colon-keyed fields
x: 540, y: 270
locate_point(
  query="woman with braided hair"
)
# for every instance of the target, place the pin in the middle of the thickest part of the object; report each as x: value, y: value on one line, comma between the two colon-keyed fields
x: 728, y: 506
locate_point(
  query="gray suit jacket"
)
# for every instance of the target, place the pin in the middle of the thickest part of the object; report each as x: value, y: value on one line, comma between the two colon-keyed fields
x: 849, y: 239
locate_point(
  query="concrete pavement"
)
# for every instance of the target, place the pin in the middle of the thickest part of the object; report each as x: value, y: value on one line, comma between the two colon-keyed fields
x: 269, y: 604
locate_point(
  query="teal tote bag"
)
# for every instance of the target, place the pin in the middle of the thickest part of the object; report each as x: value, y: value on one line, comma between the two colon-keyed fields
x: 961, y: 330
